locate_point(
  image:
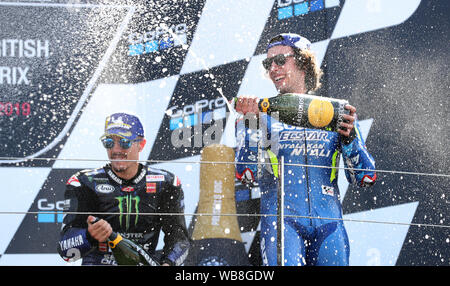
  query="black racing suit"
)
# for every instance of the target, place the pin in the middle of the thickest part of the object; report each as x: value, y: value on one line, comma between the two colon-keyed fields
x: 126, y: 204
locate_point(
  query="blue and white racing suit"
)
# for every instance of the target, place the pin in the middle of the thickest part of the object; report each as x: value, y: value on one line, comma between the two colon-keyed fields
x: 311, y: 193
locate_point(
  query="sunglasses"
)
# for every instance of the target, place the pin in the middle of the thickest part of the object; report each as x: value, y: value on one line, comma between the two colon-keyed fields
x: 279, y: 60
x: 109, y: 143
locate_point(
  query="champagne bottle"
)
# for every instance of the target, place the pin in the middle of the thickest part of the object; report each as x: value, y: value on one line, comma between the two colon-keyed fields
x: 306, y: 110
x: 216, y: 239
x: 127, y: 252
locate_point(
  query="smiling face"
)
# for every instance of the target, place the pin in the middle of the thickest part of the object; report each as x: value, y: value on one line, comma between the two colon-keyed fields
x: 287, y: 78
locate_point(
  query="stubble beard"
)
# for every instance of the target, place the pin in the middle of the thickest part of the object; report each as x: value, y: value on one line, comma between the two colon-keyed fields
x: 118, y: 166
x: 119, y: 169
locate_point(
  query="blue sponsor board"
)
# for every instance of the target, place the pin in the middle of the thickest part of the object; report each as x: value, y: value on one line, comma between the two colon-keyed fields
x: 193, y: 119
x: 150, y: 47
x: 48, y: 217
x: 289, y: 9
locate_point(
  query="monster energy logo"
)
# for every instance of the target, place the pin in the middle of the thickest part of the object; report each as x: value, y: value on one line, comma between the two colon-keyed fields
x: 126, y: 204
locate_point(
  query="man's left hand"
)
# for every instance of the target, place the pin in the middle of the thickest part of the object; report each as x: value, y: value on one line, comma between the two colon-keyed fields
x: 349, y: 119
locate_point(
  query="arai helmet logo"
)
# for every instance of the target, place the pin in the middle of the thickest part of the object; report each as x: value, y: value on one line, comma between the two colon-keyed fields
x: 104, y: 188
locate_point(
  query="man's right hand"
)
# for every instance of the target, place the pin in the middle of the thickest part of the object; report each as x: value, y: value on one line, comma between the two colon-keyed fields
x: 247, y: 104
x: 100, y: 230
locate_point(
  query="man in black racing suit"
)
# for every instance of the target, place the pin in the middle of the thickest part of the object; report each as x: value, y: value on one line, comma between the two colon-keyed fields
x: 123, y: 194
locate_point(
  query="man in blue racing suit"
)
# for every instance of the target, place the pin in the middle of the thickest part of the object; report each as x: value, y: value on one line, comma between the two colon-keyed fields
x: 314, y: 231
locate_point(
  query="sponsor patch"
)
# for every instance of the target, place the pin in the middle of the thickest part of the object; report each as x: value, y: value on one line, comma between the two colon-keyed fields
x: 150, y: 188
x: 104, y: 188
x: 326, y: 190
x: 102, y: 246
x: 73, y: 181
x: 128, y: 189
x: 154, y: 178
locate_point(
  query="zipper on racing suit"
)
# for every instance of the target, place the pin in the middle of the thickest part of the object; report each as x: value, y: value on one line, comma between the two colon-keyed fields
x: 307, y: 177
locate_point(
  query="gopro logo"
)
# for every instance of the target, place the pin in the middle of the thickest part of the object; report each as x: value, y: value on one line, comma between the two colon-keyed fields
x: 51, y: 212
x: 157, y: 40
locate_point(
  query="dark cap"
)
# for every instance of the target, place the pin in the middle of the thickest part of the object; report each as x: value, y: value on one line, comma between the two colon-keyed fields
x: 124, y: 125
